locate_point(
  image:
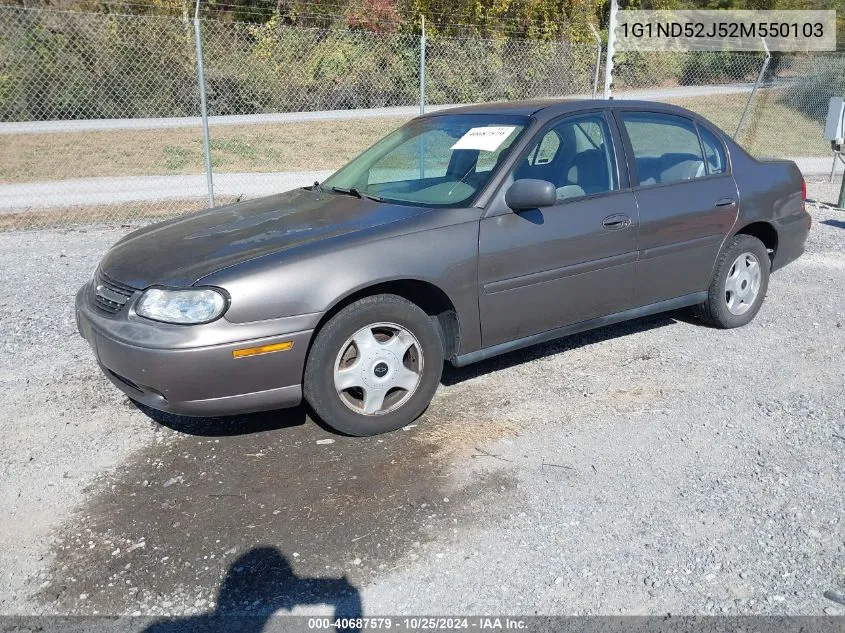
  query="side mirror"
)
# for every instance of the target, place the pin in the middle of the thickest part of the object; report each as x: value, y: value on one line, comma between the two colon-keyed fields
x: 530, y: 193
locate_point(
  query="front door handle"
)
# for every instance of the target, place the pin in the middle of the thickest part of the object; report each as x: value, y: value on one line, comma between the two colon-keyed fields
x: 616, y: 221
x: 725, y: 202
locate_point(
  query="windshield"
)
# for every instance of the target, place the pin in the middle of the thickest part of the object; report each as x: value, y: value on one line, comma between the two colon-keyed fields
x: 434, y: 161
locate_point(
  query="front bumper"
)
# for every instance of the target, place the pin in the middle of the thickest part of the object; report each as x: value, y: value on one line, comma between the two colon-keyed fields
x: 190, y: 370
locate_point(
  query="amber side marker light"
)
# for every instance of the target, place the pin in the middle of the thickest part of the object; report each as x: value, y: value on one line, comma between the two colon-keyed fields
x: 264, y: 349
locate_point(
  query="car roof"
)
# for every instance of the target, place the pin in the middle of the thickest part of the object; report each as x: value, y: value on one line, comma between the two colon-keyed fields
x: 550, y: 108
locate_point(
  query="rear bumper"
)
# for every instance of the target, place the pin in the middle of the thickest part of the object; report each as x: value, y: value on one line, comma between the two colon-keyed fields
x: 197, y: 380
x: 792, y: 238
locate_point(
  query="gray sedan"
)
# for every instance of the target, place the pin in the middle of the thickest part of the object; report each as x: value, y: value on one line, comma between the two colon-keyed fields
x: 464, y: 234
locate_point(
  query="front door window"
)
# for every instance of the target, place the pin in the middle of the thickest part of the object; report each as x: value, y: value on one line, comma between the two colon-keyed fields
x: 576, y: 155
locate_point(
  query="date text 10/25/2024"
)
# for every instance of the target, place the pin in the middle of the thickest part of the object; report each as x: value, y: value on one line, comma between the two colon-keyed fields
x: 422, y: 623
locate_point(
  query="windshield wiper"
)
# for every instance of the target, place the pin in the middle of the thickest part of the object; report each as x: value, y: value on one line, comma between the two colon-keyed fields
x: 352, y: 191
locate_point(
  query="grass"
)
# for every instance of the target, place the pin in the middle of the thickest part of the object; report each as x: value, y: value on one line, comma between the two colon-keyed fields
x: 112, y: 214
x: 313, y: 145
x: 291, y: 147
x: 773, y: 129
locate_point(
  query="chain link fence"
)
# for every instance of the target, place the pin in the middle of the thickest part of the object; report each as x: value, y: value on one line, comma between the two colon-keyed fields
x: 100, y: 114
x: 462, y: 70
x: 782, y: 118
x: 790, y: 107
x: 58, y: 66
x: 716, y: 85
x: 92, y: 71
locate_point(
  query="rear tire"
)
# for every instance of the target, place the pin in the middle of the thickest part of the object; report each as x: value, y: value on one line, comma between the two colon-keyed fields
x: 374, y: 367
x: 739, y: 284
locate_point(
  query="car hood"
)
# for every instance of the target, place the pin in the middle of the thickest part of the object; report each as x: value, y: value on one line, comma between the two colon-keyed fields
x: 182, y: 251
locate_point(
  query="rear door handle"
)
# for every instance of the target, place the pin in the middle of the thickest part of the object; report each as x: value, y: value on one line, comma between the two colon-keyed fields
x: 725, y: 202
x: 616, y: 221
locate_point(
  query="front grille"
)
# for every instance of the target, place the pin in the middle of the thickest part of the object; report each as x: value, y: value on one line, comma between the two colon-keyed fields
x: 109, y: 295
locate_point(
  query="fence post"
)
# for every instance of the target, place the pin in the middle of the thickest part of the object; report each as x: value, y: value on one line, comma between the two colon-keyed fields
x: 209, y: 178
x: 598, y: 60
x: 611, y: 50
x: 422, y: 68
x: 841, y: 202
x: 754, y: 89
x: 421, y: 157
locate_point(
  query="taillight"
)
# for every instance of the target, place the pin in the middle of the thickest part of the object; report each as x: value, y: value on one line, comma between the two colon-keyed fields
x: 803, y: 190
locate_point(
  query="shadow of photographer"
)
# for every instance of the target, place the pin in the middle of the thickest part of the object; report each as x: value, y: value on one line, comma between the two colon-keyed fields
x: 259, y: 584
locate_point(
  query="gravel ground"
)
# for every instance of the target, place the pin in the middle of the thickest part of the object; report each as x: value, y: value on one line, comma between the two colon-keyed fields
x: 657, y: 466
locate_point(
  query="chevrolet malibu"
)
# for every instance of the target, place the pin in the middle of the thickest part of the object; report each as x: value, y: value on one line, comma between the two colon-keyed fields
x: 464, y: 234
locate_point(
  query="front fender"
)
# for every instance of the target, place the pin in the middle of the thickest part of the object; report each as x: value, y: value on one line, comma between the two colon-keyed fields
x: 318, y: 277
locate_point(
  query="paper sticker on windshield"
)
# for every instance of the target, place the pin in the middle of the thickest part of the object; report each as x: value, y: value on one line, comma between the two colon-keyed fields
x: 486, y: 139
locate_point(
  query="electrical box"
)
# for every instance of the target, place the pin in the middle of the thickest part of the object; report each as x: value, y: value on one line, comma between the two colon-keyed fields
x: 834, y: 129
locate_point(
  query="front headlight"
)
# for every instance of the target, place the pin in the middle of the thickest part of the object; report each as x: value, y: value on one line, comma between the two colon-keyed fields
x: 191, y: 306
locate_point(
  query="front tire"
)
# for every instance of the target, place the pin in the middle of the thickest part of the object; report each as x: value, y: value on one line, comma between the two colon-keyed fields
x: 739, y: 284
x: 374, y: 367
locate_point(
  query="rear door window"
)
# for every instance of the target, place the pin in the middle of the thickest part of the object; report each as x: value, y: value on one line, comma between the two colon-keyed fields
x: 666, y: 148
x: 714, y: 151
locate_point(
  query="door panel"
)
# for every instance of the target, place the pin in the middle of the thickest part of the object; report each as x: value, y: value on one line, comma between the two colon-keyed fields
x: 681, y: 232
x: 546, y: 268
x: 687, y: 202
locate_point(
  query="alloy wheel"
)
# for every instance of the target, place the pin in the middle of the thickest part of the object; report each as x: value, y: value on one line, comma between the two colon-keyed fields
x: 378, y: 368
x: 743, y: 283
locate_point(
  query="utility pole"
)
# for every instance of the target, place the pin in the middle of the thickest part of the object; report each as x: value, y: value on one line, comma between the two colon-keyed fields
x: 209, y: 179
x: 611, y: 50
x: 598, y: 60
